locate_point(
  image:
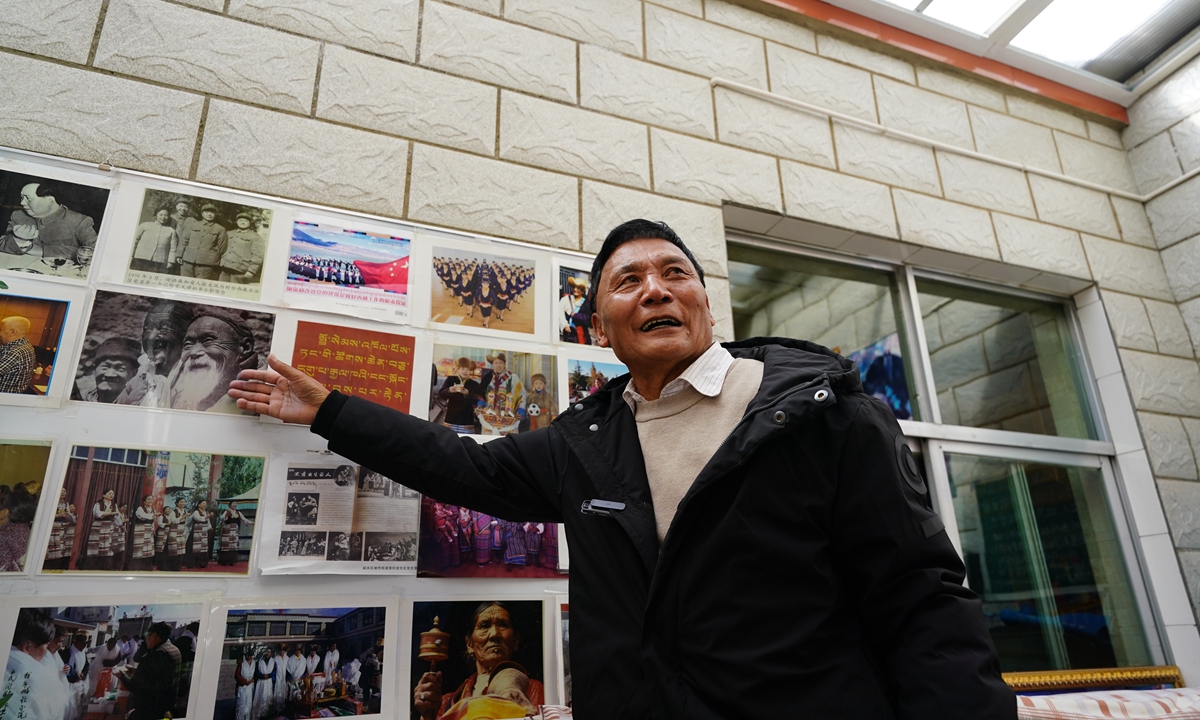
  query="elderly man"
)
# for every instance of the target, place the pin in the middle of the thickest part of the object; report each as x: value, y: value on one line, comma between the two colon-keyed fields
x: 749, y: 532
x: 153, y: 686
x: 217, y: 345
x: 47, y: 228
x: 116, y: 364
x: 16, y: 355
x: 201, y: 244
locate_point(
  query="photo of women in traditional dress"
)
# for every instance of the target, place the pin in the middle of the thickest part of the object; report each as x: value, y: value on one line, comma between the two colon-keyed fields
x: 22, y: 470
x: 574, y: 314
x: 115, y: 661
x: 49, y: 226
x: 493, y: 665
x: 479, y: 391
x: 150, y: 352
x: 297, y: 663
x: 329, y: 261
x: 172, y: 527
x: 460, y: 542
x: 474, y: 289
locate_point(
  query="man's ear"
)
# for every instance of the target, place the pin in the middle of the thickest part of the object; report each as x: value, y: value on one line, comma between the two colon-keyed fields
x: 712, y: 321
x: 598, y: 328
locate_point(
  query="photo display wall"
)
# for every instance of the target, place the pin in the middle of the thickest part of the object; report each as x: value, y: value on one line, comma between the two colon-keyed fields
x: 136, y: 497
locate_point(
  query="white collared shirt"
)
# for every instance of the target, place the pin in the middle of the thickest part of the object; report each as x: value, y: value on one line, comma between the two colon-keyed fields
x: 706, y: 375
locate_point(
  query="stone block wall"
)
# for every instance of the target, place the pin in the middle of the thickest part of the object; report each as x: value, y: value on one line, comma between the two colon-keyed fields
x: 549, y: 121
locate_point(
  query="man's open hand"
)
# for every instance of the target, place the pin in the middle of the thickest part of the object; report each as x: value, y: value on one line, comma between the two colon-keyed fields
x: 282, y: 392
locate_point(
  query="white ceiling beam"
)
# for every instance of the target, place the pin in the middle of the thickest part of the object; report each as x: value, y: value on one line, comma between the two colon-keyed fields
x: 1011, y: 24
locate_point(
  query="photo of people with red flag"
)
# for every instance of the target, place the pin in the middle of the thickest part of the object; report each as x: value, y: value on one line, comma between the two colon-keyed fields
x: 347, y: 264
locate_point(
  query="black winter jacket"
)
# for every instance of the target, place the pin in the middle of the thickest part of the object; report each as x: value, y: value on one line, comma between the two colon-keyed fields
x: 802, y: 576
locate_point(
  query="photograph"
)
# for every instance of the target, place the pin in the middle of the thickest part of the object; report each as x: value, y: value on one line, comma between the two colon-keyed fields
x: 127, y: 510
x: 585, y: 377
x: 481, y: 391
x: 199, y: 244
x: 574, y: 315
x: 564, y: 652
x: 31, y: 330
x: 50, y: 225
x: 300, y: 663
x: 370, y: 364
x: 476, y: 659
x: 301, y: 543
x: 22, y: 473
x: 160, y: 353
x: 460, y: 542
x: 106, y: 662
x: 373, y: 485
x: 344, y: 547
x: 341, y: 264
x: 390, y: 547
x: 483, y: 290
x: 302, y: 508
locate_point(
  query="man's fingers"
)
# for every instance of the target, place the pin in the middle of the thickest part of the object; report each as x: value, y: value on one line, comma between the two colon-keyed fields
x: 251, y: 386
x: 254, y: 397
x: 284, y: 369
x: 254, y: 407
x: 266, y: 376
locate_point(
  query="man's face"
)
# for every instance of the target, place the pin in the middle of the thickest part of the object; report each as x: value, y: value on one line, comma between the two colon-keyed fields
x: 163, y: 346
x: 35, y: 206
x: 208, y: 215
x: 9, y: 331
x: 111, y: 375
x: 651, y: 307
x: 493, y: 640
x: 243, y: 223
x: 499, y: 365
x: 181, y: 208
x: 207, y: 365
x: 153, y: 640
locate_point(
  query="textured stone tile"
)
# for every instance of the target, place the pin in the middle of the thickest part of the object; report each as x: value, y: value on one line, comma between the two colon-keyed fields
x: 1168, y: 447
x: 985, y: 184
x: 836, y: 199
x: 1181, y: 503
x: 773, y: 128
x: 637, y: 90
x: 1104, y: 135
x: 1162, y: 384
x: 489, y: 196
x: 702, y: 227
x: 971, y: 91
x: 1173, y: 214
x: 1126, y: 268
x: 1192, y: 427
x: 53, y: 109
x: 1169, y: 329
x: 959, y: 363
x: 1038, y: 245
x: 878, y: 157
x: 1183, y: 268
x: 821, y: 82
x: 384, y: 27
x: 852, y: 54
x: 1154, y: 163
x: 1014, y: 139
x: 406, y: 100
x: 1186, y: 138
x: 713, y: 173
x: 191, y: 49
x: 704, y: 48
x: 491, y: 7
x: 1135, y: 225
x: 1073, y: 206
x: 945, y: 225
x: 1009, y: 342
x: 722, y: 308
x: 574, y: 141
x: 764, y: 26
x: 691, y: 7
x: 217, y: 5
x: 995, y: 397
x: 1191, y: 317
x: 60, y: 29
x: 270, y: 152
x: 614, y: 24
x: 924, y: 113
x: 1129, y: 322
x: 494, y: 51
x: 1045, y: 115
x: 1189, y: 560
x: 1094, y: 162
x: 1164, y: 105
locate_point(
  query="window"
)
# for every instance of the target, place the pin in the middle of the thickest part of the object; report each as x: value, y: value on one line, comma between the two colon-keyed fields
x: 278, y: 628
x: 990, y: 388
x: 256, y: 629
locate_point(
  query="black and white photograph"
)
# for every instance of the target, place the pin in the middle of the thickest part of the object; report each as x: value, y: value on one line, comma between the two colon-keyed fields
x: 573, y: 313
x: 161, y: 353
x: 344, y: 547
x: 103, y: 662
x: 373, y: 485
x: 390, y: 547
x: 50, y: 225
x: 199, y: 244
x: 299, y: 543
x: 483, y: 290
x: 302, y: 508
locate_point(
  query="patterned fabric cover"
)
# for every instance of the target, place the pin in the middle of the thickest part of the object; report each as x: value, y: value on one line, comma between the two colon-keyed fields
x: 1177, y: 704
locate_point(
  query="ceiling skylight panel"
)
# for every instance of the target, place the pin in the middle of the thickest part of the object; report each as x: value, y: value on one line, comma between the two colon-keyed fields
x: 1074, y: 32
x: 906, y: 4
x: 976, y: 16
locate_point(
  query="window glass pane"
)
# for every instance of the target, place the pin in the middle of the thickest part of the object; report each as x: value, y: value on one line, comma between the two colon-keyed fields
x: 1043, y: 555
x: 256, y: 629
x: 971, y: 15
x: 1003, y: 362
x: 851, y: 310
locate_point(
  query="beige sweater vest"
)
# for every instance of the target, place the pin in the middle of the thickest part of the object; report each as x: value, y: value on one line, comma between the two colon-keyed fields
x: 680, y: 434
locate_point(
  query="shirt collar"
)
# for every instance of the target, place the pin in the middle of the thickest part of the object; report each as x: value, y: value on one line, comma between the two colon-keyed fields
x: 706, y: 376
